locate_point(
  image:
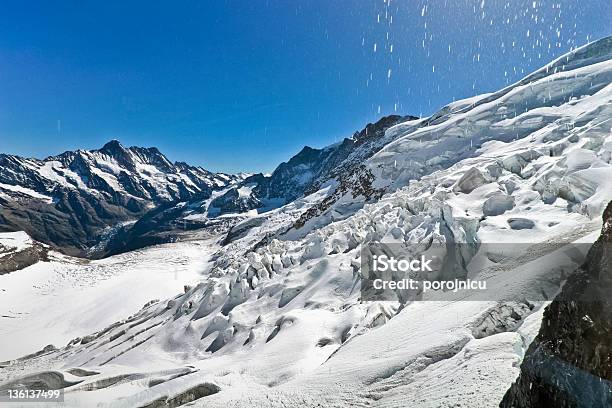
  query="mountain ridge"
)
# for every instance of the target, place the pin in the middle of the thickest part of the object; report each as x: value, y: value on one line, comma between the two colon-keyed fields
x: 69, y: 199
x: 303, y: 174
x: 81, y: 194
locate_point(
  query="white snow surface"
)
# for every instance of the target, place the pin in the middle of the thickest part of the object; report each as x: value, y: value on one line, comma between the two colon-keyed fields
x: 29, y: 193
x: 279, y: 323
x: 69, y: 297
x: 14, y: 242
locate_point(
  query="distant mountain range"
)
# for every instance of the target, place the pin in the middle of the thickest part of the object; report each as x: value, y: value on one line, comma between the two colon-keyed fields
x: 99, y: 202
x: 70, y: 200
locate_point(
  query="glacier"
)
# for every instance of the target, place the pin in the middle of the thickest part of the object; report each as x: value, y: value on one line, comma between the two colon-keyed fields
x: 270, y: 315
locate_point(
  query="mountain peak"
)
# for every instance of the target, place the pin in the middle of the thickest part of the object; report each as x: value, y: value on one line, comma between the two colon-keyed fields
x: 113, y: 147
x: 380, y: 126
x: 152, y: 155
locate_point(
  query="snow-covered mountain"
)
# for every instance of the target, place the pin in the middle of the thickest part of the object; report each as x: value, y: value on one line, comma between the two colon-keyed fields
x: 308, y: 170
x: 117, y: 199
x: 274, y: 316
x: 72, y: 199
x: 539, y: 111
x: 305, y: 173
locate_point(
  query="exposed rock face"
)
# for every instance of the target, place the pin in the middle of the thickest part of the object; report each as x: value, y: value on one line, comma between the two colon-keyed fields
x: 358, y: 184
x: 164, y: 224
x: 14, y: 261
x: 569, y: 364
x: 238, y: 200
x: 520, y: 223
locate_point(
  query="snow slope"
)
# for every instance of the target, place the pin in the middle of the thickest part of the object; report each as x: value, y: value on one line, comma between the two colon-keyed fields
x: 69, y: 297
x: 14, y: 241
x: 276, y: 318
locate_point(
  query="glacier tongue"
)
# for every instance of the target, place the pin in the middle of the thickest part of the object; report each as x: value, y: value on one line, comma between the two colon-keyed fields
x: 276, y: 319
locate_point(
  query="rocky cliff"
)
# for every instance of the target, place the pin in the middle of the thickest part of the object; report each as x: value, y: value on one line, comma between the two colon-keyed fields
x: 569, y: 364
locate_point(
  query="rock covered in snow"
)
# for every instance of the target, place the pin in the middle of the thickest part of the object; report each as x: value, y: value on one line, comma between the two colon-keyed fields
x: 497, y: 205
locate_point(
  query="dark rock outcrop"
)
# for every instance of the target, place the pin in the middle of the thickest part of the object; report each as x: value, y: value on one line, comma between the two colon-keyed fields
x: 238, y: 200
x: 569, y: 364
x: 13, y: 261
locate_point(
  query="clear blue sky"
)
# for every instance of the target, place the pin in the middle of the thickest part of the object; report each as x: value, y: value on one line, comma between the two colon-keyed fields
x: 242, y: 85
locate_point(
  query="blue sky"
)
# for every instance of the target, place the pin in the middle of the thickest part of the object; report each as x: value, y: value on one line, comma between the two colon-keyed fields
x: 242, y: 85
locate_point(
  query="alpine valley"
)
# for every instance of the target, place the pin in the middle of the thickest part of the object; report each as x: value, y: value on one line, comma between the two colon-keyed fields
x: 127, y: 280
